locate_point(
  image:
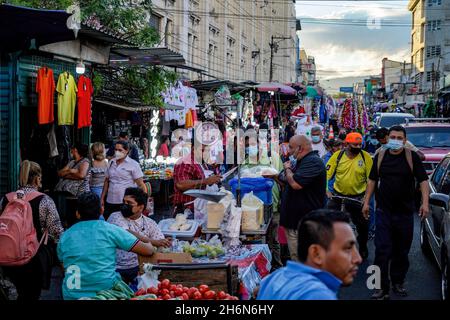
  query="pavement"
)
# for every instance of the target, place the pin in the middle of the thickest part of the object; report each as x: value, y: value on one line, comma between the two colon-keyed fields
x: 423, y: 281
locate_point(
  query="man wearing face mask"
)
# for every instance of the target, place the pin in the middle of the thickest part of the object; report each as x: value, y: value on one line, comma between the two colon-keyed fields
x: 350, y: 168
x: 317, y: 141
x: 131, y: 218
x: 304, y: 180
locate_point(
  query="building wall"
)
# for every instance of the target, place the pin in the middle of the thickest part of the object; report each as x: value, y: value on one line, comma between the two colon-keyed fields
x: 229, y: 39
x: 392, y: 73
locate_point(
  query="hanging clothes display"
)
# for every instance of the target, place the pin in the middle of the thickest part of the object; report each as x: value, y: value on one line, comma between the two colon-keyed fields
x: 67, y: 96
x: 189, y: 120
x: 85, y: 91
x: 52, y: 142
x: 45, y: 88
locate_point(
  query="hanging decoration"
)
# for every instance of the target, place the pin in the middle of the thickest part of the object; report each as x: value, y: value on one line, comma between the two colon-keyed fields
x: 154, y: 132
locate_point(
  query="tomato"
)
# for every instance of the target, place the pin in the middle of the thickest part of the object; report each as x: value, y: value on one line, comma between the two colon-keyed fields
x: 203, y: 288
x: 178, y: 292
x: 235, y: 298
x: 163, y: 292
x: 185, y: 289
x: 159, y: 286
x: 180, y: 286
x: 185, y: 296
x: 172, y: 287
x: 191, y: 292
x: 152, y: 290
x: 209, y: 295
x: 140, y: 292
x: 172, y: 294
x: 165, y: 284
x: 134, y: 299
x: 197, y: 295
x: 167, y: 297
x: 221, y: 295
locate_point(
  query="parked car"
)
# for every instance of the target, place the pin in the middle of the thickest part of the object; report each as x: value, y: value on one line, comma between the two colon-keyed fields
x: 435, y: 229
x: 432, y: 138
x: 389, y: 119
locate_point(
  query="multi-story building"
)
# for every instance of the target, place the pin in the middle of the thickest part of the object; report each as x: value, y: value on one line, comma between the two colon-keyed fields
x: 396, y: 79
x: 230, y: 39
x: 308, y: 68
x: 430, y: 43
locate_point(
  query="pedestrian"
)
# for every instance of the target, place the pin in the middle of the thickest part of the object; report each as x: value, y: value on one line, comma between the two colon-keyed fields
x: 371, y: 143
x: 87, y: 251
x: 351, y: 168
x: 98, y: 168
x: 327, y: 258
x: 131, y: 218
x: 164, y: 148
x: 304, y: 180
x: 392, y: 178
x: 382, y: 136
x: 133, y: 153
x: 317, y: 141
x: 31, y: 278
x: 122, y: 173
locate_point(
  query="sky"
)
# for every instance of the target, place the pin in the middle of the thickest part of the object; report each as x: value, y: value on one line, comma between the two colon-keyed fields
x: 354, y: 50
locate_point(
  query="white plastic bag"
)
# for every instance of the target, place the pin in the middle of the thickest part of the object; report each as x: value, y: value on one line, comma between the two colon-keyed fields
x: 150, y: 277
x: 252, y: 212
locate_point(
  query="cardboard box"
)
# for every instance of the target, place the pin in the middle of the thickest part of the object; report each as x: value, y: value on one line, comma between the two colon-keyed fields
x: 163, y: 258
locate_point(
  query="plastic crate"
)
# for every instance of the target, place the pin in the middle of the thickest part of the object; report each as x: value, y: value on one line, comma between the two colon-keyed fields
x: 261, y: 187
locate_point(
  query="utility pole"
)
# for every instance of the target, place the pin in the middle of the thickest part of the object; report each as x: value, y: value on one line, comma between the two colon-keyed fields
x: 432, y: 79
x: 273, y: 49
x: 404, y: 82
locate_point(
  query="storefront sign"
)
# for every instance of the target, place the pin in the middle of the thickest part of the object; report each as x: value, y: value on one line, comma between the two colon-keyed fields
x: 346, y: 89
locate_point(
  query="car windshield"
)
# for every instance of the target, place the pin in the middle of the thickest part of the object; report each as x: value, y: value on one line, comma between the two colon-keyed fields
x: 388, y: 122
x: 429, y: 137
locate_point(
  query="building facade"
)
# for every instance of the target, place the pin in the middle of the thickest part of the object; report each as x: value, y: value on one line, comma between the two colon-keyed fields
x: 308, y: 68
x: 430, y: 43
x: 230, y: 39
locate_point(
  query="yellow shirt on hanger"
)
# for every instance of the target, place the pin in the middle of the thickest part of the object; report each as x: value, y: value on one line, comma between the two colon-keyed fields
x: 67, y: 97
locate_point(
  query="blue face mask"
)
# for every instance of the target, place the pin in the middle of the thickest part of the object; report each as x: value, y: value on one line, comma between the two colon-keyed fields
x: 373, y: 141
x: 394, y: 144
x: 315, y: 139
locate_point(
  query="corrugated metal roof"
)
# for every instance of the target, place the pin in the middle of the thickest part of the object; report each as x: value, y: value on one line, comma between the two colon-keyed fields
x: 153, y: 56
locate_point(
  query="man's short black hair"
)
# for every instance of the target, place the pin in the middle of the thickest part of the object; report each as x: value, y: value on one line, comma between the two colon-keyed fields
x: 382, y: 133
x: 317, y: 228
x: 124, y: 144
x: 123, y: 134
x: 138, y: 195
x: 398, y: 129
x: 88, y: 206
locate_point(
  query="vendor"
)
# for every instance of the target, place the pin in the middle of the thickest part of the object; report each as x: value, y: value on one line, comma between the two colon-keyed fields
x: 131, y: 218
x: 164, y: 148
x: 88, y: 251
x: 189, y: 174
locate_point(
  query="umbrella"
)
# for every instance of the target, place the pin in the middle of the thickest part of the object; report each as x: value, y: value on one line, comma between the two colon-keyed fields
x: 275, y: 87
x: 311, y: 92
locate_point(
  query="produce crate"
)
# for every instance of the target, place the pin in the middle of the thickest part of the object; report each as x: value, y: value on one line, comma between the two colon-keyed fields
x: 218, y: 276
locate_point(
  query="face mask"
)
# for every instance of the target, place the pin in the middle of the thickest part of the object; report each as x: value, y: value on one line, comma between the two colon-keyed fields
x: 374, y: 142
x: 120, y: 155
x: 253, y: 151
x: 355, y: 151
x: 127, y: 210
x: 394, y: 144
x: 315, y: 139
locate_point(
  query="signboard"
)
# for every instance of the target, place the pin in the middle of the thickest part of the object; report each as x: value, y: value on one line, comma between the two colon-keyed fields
x: 346, y: 89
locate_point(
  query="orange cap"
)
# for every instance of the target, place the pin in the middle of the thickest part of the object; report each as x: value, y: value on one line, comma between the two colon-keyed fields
x: 353, y: 137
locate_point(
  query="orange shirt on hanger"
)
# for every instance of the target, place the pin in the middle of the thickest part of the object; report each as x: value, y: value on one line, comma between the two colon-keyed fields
x: 45, y: 88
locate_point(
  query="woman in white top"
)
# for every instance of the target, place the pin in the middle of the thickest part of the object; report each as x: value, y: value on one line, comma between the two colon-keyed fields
x: 99, y: 168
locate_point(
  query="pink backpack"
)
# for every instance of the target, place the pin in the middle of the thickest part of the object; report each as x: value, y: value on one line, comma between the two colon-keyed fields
x: 18, y: 239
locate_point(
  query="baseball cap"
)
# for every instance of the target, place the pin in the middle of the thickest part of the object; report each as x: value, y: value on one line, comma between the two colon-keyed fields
x: 353, y: 137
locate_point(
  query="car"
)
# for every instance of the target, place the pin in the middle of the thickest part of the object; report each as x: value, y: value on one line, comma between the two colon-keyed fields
x: 435, y: 229
x: 432, y: 138
x: 389, y: 119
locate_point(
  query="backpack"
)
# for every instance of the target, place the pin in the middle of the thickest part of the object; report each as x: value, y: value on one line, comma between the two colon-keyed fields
x: 408, y: 154
x: 341, y: 153
x: 18, y: 238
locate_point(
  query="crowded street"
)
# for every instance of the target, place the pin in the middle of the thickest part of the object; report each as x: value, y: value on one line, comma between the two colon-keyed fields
x: 251, y: 151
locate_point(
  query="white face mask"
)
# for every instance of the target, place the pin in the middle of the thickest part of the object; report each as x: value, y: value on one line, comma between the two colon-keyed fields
x: 120, y: 155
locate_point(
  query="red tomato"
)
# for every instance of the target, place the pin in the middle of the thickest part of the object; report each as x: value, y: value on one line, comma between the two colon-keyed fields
x: 165, y: 284
x: 185, y: 289
x: 140, y: 292
x: 180, y: 286
x: 203, y: 288
x: 159, y: 286
x: 178, y: 292
x: 221, y: 295
x: 185, y: 296
x: 167, y: 297
x: 235, y: 298
x: 172, y: 294
x: 197, y: 295
x: 152, y: 290
x: 191, y: 292
x: 172, y: 287
x: 209, y: 295
x: 163, y: 292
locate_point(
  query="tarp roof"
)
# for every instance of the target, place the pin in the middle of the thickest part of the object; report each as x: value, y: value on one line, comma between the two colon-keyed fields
x: 153, y: 56
x: 216, y: 84
x: 19, y: 26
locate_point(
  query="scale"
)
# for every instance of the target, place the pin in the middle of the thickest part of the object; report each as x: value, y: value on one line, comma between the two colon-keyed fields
x: 214, y: 196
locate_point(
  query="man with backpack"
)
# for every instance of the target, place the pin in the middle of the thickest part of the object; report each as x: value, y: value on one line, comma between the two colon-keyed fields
x: 393, y: 180
x: 350, y: 168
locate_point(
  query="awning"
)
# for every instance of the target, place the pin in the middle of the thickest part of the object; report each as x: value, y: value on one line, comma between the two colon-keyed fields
x: 216, y: 84
x: 123, y: 107
x: 145, y: 56
x: 20, y: 27
x: 276, y: 87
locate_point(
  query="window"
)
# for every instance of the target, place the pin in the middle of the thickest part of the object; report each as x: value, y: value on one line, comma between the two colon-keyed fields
x: 445, y: 189
x: 433, y: 51
x: 434, y: 25
x: 439, y: 173
x: 421, y: 57
x: 432, y: 3
x: 212, y: 49
x: 429, y: 77
x: 155, y: 22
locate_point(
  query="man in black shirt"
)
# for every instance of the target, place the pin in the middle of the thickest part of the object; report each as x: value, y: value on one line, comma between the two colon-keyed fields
x: 304, y: 176
x: 393, y: 178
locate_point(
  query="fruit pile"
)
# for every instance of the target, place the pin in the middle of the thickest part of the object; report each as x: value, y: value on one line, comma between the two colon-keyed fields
x: 168, y: 291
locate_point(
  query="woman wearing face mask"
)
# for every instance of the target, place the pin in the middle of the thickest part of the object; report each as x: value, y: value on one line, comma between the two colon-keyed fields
x: 145, y: 229
x: 123, y: 172
x: 30, y: 278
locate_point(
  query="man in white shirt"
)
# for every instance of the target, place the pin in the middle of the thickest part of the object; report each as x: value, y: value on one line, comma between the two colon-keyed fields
x: 317, y: 141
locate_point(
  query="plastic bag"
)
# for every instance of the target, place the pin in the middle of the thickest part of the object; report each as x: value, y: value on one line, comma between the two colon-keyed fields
x: 252, y: 212
x: 150, y: 277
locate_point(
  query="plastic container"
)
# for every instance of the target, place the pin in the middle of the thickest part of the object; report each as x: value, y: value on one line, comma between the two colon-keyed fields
x: 261, y: 187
